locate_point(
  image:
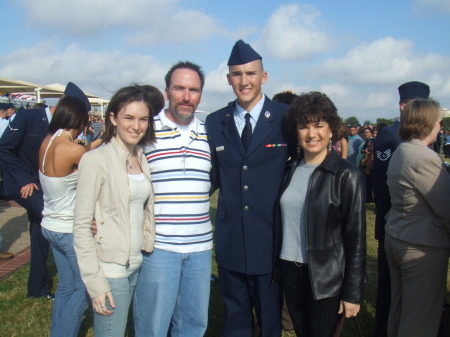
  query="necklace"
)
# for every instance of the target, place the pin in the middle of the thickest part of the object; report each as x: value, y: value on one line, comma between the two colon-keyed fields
x: 71, y: 138
x: 130, y: 165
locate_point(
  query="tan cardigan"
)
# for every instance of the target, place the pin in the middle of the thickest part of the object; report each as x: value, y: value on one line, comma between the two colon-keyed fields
x: 420, y: 195
x: 103, y: 195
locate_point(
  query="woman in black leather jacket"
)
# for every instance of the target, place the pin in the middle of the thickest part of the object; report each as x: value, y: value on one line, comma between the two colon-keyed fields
x: 320, y: 238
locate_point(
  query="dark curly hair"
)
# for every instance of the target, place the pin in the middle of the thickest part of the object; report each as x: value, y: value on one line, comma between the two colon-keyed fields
x: 286, y: 97
x: 312, y: 107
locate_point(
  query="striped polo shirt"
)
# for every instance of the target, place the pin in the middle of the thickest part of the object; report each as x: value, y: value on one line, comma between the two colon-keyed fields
x: 180, y: 169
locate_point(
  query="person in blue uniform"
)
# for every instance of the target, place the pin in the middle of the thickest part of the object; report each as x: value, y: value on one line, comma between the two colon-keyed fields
x: 249, y: 150
x: 384, y: 146
x: 19, y: 153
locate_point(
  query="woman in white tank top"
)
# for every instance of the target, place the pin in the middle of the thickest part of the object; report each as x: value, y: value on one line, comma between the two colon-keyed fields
x: 115, y: 189
x: 58, y: 163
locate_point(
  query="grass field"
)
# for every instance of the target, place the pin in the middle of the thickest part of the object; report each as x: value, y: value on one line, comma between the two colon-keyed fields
x: 24, y: 317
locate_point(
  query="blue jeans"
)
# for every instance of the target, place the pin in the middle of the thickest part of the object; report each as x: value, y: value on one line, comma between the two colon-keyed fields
x: 173, y: 292
x: 122, y: 291
x: 71, y: 298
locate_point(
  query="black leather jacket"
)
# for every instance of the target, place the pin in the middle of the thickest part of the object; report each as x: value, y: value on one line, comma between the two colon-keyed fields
x: 335, y: 229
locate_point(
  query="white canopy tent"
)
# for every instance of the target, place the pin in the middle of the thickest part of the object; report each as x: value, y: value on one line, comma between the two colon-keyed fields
x: 94, y: 100
x: 56, y: 90
x: 27, y: 88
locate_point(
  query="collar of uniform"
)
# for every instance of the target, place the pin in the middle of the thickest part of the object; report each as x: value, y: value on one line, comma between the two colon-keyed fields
x: 49, y: 115
x: 166, y: 123
x: 240, y: 112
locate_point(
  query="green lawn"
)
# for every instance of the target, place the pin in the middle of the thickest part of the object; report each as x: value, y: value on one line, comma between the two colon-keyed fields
x: 23, y: 317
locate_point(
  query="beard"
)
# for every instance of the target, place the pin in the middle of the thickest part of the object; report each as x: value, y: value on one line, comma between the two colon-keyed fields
x: 184, y: 114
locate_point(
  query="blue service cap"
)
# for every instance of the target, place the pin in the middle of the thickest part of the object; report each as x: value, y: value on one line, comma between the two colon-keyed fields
x: 242, y: 53
x: 414, y: 89
x: 9, y: 106
x: 3, y: 106
x: 74, y: 91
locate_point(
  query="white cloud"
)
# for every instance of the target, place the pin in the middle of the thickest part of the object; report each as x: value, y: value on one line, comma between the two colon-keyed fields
x: 432, y: 6
x: 440, y: 87
x: 379, y: 100
x: 146, y: 22
x: 272, y: 87
x: 183, y: 26
x: 292, y: 33
x: 351, y: 100
x: 386, y: 60
x: 86, y: 17
x: 99, y: 73
x: 336, y: 91
x: 216, y: 80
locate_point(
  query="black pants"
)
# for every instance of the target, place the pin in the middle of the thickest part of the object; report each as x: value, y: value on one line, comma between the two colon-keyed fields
x: 310, y: 317
x: 38, y: 279
x: 447, y: 150
x: 369, y: 188
x: 383, y: 302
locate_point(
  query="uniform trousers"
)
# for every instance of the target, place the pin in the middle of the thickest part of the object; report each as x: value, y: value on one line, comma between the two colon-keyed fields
x: 447, y: 150
x: 38, y: 279
x: 240, y: 294
x: 418, y: 283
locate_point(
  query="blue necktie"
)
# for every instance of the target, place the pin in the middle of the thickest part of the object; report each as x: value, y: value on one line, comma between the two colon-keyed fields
x: 247, y: 132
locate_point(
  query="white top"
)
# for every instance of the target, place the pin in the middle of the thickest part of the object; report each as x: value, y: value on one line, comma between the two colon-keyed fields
x: 59, y: 198
x: 139, y: 188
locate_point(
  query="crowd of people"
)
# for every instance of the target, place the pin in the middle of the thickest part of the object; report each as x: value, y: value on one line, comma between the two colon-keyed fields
x: 126, y: 212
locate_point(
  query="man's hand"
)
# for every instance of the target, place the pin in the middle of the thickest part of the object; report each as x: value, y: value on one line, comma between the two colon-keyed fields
x: 27, y: 190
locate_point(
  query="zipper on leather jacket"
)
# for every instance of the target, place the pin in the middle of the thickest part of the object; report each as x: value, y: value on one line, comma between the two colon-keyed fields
x: 311, y: 178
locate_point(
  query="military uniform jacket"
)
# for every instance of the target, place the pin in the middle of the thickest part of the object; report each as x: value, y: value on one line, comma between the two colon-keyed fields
x: 19, y: 149
x: 384, y: 146
x: 249, y: 183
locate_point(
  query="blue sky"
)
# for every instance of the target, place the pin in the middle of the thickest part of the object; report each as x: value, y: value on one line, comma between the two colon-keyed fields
x: 357, y: 52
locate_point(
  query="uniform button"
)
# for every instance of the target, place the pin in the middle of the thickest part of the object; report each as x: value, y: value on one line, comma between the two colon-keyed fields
x: 102, y: 222
x: 245, y: 167
x: 246, y: 208
x: 100, y: 238
x: 245, y: 188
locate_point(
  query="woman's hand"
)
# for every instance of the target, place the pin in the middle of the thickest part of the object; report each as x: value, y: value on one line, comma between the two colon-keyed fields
x: 349, y: 309
x: 99, y: 304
